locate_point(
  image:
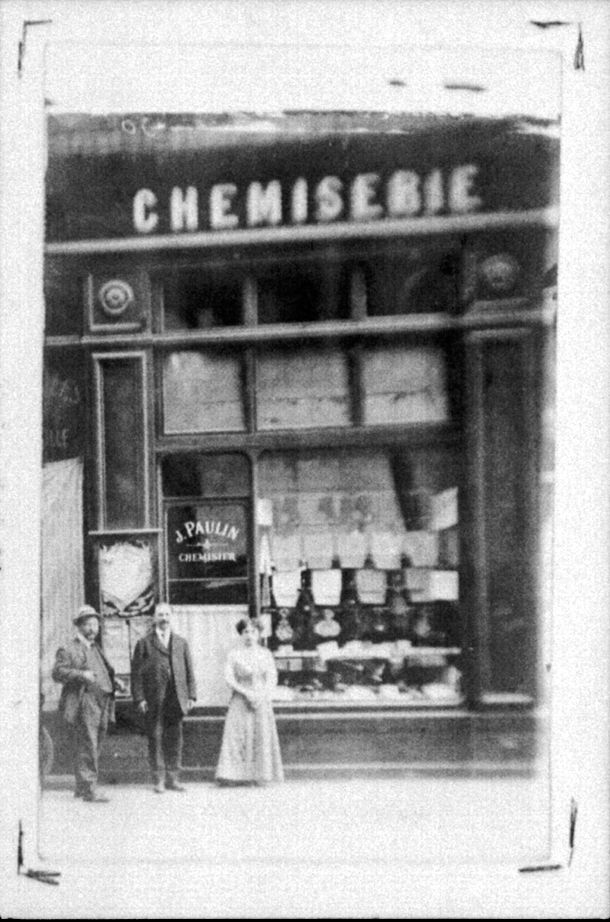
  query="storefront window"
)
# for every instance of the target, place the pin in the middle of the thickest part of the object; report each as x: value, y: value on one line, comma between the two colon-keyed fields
x: 359, y: 563
x: 202, y: 392
x: 421, y: 278
x: 212, y: 475
x: 302, y: 388
x: 301, y: 294
x: 121, y: 440
x: 197, y: 300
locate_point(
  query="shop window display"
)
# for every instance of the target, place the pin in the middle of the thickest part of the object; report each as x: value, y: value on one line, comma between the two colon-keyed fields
x: 359, y: 575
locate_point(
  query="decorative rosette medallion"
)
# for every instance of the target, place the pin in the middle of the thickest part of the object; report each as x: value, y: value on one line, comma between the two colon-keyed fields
x: 115, y: 297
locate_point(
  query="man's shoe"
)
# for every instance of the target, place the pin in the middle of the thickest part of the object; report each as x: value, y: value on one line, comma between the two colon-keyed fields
x: 92, y: 798
x: 158, y: 788
x: 79, y: 793
x: 174, y: 786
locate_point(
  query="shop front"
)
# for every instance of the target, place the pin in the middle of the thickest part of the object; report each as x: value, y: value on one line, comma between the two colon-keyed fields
x: 298, y: 367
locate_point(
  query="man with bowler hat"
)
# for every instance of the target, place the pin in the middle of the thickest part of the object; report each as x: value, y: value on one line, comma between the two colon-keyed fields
x: 87, y: 699
x: 163, y: 688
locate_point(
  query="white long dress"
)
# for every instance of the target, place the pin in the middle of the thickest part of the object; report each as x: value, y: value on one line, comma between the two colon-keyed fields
x: 250, y: 749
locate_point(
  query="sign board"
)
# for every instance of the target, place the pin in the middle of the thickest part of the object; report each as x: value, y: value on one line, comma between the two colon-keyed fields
x: 207, y: 553
x: 203, y: 173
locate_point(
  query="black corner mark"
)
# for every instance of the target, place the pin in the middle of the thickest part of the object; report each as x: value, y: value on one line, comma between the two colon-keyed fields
x: 573, y: 815
x: 44, y: 876
x: 572, y: 832
x: 549, y: 23
x: 579, y: 55
x: 21, y: 48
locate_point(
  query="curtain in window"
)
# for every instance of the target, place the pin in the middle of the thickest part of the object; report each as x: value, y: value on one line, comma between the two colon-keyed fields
x: 210, y: 633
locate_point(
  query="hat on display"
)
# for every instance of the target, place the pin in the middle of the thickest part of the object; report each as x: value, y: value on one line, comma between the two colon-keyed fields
x: 163, y: 612
x: 85, y: 611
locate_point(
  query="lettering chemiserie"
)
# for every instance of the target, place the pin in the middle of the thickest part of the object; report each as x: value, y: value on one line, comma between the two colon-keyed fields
x: 365, y: 197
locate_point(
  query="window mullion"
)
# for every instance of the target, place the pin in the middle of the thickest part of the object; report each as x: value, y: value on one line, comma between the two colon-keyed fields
x: 354, y: 361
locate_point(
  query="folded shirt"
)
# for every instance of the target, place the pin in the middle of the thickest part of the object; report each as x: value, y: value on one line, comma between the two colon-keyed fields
x: 318, y: 549
x: 386, y: 547
x: 421, y: 547
x: 371, y: 586
x: 286, y: 585
x: 326, y: 586
x: 351, y: 549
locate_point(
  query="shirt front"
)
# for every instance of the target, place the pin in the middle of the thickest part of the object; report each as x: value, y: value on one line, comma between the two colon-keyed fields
x: 96, y: 664
x: 163, y: 636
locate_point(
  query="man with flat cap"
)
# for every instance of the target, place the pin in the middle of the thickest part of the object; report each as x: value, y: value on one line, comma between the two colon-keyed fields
x: 87, y: 699
x: 163, y: 689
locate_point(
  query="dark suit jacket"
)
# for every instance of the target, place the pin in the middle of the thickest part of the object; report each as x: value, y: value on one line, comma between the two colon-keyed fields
x: 148, y: 669
x: 70, y: 662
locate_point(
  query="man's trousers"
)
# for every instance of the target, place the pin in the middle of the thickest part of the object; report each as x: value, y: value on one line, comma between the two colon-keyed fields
x: 88, y: 732
x: 164, y: 731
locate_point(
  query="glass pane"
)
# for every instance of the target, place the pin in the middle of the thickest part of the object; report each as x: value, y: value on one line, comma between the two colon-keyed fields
x: 404, y: 384
x: 124, y: 460
x: 207, y: 550
x: 374, y: 615
x: 198, y: 299
x: 202, y: 393
x: 302, y: 294
x: 302, y: 389
x: 206, y: 475
x: 421, y: 279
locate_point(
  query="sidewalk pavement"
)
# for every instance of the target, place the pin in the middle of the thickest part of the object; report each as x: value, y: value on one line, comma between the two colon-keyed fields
x: 418, y: 819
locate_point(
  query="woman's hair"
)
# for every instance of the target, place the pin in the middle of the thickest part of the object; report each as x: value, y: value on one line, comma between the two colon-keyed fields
x: 243, y: 623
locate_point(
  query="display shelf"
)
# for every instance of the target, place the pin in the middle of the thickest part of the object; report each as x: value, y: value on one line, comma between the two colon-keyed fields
x: 369, y: 654
x: 330, y: 702
x: 413, y: 652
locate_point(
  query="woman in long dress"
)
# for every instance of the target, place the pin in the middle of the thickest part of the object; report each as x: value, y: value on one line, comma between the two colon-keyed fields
x: 250, y: 751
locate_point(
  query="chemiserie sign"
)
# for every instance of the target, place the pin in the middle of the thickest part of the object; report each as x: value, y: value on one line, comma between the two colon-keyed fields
x: 365, y: 197
x: 200, y: 174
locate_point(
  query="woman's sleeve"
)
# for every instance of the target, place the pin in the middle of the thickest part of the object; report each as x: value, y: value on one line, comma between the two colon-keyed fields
x: 231, y: 678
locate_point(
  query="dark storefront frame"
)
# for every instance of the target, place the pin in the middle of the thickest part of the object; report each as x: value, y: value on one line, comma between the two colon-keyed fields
x: 492, y: 336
